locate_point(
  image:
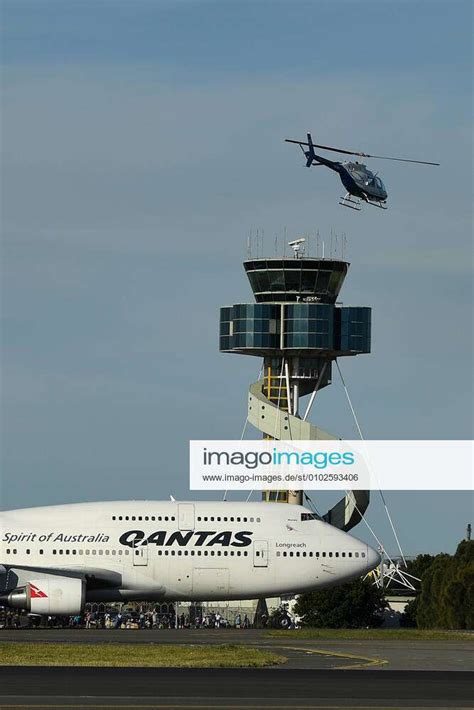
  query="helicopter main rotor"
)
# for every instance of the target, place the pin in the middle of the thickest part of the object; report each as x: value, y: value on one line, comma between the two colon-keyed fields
x: 358, y: 153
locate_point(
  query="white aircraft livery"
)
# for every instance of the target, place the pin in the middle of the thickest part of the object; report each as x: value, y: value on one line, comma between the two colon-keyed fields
x: 53, y: 559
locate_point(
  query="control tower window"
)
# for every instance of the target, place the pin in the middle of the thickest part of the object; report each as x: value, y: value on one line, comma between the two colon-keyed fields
x: 293, y: 280
x: 335, y: 282
x: 260, y: 281
x: 308, y: 280
x: 277, y: 280
x: 323, y: 281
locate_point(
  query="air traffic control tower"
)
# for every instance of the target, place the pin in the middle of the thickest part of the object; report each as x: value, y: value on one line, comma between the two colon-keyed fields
x: 299, y: 329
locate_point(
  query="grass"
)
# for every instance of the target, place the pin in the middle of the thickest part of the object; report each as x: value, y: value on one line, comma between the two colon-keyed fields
x: 374, y: 634
x: 135, y: 655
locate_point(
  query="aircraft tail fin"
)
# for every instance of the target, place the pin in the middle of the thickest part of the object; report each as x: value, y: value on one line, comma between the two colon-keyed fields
x: 310, y: 154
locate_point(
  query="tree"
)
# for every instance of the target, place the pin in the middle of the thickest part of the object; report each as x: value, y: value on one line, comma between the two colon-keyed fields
x: 418, y: 567
x: 408, y: 618
x: 447, y: 591
x: 354, y: 605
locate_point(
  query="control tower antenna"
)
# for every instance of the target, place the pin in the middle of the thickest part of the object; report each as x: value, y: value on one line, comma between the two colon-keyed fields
x: 299, y: 329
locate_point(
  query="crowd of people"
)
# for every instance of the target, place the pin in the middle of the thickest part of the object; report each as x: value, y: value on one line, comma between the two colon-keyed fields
x: 157, y: 620
x: 119, y: 619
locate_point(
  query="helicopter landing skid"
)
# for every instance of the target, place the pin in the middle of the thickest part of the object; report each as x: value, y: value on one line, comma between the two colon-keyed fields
x: 347, y: 201
x: 374, y: 203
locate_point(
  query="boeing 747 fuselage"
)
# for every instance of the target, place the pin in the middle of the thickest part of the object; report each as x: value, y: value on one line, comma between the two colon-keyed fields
x: 54, y: 559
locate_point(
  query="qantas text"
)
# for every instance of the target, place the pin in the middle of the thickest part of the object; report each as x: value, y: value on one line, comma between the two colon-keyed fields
x: 137, y: 538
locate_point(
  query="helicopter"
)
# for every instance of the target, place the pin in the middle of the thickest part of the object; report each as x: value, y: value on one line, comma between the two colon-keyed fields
x: 360, y: 182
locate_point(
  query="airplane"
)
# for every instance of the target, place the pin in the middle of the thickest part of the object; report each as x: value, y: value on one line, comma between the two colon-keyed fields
x: 54, y: 559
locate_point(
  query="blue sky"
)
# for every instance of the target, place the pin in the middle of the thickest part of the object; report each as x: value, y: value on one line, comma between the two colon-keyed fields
x: 141, y: 143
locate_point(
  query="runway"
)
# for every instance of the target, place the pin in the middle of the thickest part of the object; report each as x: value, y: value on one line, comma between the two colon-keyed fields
x: 322, y: 673
x: 39, y: 687
x: 382, y: 654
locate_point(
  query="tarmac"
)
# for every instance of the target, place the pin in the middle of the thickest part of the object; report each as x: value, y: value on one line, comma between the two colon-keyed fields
x: 38, y: 687
x: 388, y: 673
x: 382, y: 654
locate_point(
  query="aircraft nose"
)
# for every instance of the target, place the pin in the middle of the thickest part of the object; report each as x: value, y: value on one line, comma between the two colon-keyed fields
x: 373, y: 558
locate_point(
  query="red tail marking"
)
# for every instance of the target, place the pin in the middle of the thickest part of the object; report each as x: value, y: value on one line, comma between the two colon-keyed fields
x: 37, y: 593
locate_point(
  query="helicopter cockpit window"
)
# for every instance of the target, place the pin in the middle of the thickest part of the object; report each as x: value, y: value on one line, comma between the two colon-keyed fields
x: 379, y: 184
x: 357, y: 172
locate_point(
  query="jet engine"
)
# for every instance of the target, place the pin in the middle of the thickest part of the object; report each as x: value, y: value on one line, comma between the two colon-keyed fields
x: 48, y: 595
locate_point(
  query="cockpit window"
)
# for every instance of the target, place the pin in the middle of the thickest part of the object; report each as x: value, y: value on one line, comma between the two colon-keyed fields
x: 358, y: 172
x: 380, y: 184
x: 308, y: 516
